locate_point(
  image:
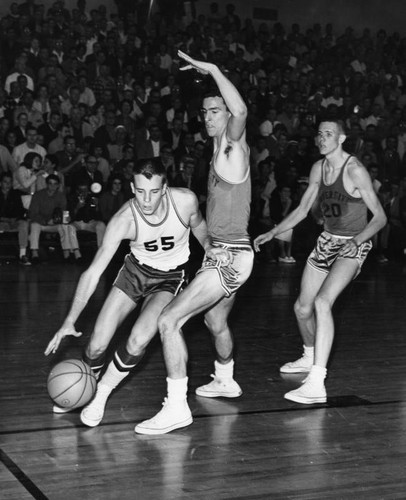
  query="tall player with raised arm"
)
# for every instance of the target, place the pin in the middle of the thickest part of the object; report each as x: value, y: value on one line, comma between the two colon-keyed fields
x: 226, y: 266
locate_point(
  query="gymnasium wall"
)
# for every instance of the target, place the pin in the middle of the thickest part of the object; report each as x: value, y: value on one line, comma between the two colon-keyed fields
x: 360, y: 14
x: 375, y: 14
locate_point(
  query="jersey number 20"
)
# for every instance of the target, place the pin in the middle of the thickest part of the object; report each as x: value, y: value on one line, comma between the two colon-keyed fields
x: 333, y: 210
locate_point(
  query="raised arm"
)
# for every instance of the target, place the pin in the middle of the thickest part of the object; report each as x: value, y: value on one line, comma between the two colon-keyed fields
x: 231, y: 96
x: 117, y: 230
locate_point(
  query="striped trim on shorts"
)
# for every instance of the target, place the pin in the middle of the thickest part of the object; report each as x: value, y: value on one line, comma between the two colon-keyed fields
x: 237, y: 270
x: 327, y: 250
x: 139, y: 280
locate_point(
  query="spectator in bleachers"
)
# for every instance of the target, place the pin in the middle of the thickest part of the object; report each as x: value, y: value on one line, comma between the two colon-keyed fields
x: 10, y: 141
x: 26, y: 105
x: 125, y: 119
x: 12, y: 214
x: 20, y: 68
x: 87, y: 174
x: 45, y: 214
x: 151, y: 147
x: 20, y: 128
x: 106, y: 133
x: 30, y: 145
x: 50, y: 167
x: 81, y: 130
x: 49, y: 129
x: 7, y: 164
x: 296, y: 76
x: 85, y: 216
x: 70, y: 159
x: 25, y: 177
x: 57, y: 144
x: 100, y: 152
x: 112, y: 199
x: 116, y: 148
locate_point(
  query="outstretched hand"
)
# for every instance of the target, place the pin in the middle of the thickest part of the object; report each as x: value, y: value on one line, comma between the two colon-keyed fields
x: 57, y: 338
x: 261, y: 239
x: 201, y: 66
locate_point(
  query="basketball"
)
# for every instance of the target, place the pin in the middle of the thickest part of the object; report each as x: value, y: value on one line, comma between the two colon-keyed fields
x: 71, y: 383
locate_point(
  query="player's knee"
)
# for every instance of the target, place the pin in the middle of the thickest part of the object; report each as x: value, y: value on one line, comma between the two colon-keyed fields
x: 95, y: 348
x: 95, y: 351
x: 322, y: 305
x: 136, y: 346
x: 215, y: 326
x: 166, y: 323
x: 301, y: 310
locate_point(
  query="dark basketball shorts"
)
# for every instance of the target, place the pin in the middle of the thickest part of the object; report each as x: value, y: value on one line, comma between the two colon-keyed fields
x: 237, y: 270
x: 327, y: 250
x: 139, y: 280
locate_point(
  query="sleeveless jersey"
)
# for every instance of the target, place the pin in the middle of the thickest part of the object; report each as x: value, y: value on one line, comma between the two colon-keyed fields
x: 164, y: 245
x: 343, y: 214
x: 228, y: 208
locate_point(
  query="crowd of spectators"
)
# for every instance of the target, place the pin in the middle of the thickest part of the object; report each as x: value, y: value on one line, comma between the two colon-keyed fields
x: 86, y: 93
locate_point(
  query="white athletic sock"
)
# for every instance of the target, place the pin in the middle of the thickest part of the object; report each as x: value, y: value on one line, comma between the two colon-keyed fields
x: 107, y: 384
x: 112, y: 376
x: 224, y: 372
x: 308, y: 352
x: 317, y: 374
x: 23, y: 252
x: 177, y: 389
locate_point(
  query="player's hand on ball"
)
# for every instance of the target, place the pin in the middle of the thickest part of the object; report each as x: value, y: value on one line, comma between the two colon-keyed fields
x: 57, y: 338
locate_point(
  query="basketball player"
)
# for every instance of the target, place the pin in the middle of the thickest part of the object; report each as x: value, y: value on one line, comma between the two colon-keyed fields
x: 157, y: 222
x: 214, y: 288
x: 342, y: 188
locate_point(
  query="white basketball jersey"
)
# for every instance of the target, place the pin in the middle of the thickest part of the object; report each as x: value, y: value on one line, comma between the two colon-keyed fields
x: 164, y: 245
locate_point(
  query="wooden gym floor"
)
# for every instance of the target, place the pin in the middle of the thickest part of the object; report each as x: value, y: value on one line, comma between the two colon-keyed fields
x: 259, y: 446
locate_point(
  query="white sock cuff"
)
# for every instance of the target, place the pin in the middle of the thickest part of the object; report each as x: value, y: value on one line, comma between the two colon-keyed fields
x: 308, y: 351
x: 177, y: 388
x: 319, y: 371
x: 112, y: 377
x: 224, y: 371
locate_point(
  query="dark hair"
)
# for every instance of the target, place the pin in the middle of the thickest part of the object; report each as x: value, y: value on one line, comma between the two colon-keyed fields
x: 150, y: 167
x: 29, y: 159
x: 214, y: 92
x: 53, y: 177
x: 68, y: 138
x: 53, y: 159
x: 113, y: 177
x: 3, y: 175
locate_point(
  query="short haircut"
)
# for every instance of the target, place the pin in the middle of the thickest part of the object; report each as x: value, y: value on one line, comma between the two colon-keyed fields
x: 150, y: 167
x: 68, y: 138
x: 214, y: 92
x: 53, y: 159
x: 3, y: 175
x: 339, y: 123
x: 53, y: 177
